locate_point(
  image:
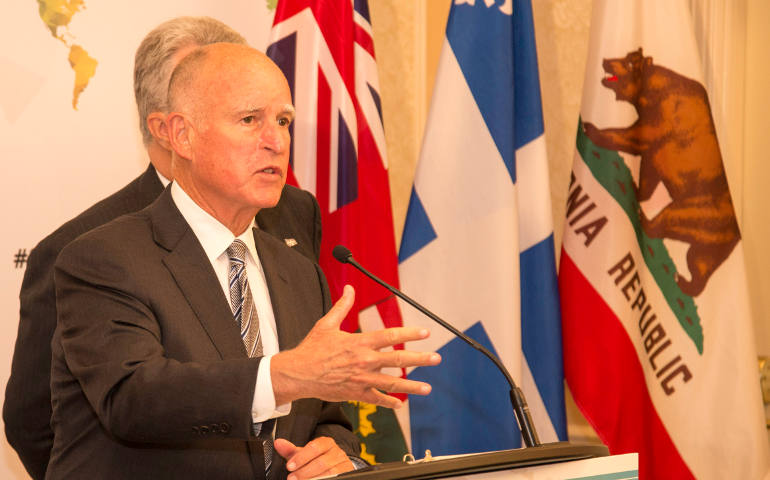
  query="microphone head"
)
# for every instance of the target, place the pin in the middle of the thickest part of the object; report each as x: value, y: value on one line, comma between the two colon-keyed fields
x: 342, y: 254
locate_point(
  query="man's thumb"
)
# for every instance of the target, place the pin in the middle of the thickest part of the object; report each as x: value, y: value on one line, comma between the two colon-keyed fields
x: 284, y: 447
x: 334, y: 317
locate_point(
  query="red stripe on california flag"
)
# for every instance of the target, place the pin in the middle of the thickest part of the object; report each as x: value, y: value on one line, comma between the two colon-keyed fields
x: 603, y: 371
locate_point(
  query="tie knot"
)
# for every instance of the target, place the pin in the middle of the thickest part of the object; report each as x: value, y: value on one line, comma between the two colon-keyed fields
x: 237, y: 250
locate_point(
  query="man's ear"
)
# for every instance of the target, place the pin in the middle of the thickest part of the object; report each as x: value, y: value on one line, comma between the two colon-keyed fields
x: 156, y: 123
x: 179, y: 134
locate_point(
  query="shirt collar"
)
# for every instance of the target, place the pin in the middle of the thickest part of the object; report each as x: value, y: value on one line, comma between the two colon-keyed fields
x: 214, y: 237
x: 163, y: 180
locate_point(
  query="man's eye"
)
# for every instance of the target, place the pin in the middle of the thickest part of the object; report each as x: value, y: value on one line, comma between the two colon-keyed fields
x: 284, y: 122
x: 248, y: 120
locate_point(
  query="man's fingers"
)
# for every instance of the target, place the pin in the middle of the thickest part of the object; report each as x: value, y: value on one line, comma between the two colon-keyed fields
x: 393, y: 336
x: 375, y: 397
x: 284, y: 448
x: 407, y: 358
x: 321, y: 456
x: 375, y: 361
x: 393, y: 384
x: 334, y: 317
x: 322, y: 467
x: 309, y: 452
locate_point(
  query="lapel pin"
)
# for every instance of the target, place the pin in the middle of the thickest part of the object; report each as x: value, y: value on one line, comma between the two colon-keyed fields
x: 290, y: 242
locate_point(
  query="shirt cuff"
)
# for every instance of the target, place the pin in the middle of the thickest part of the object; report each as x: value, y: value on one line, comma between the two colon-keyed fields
x: 358, y: 463
x: 263, y: 406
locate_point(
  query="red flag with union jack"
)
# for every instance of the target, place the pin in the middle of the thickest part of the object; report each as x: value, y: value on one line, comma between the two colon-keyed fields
x: 326, y: 51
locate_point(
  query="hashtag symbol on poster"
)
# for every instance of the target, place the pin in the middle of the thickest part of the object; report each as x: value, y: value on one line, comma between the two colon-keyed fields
x: 20, y: 258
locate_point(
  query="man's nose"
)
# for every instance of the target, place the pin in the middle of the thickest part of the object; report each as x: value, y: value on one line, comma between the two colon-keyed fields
x: 274, y: 137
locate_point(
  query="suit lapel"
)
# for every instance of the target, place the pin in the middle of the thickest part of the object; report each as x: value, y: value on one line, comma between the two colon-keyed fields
x: 277, y: 263
x: 195, y: 276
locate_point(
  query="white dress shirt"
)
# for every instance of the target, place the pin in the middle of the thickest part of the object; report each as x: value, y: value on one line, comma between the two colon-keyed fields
x: 163, y: 180
x: 215, y: 238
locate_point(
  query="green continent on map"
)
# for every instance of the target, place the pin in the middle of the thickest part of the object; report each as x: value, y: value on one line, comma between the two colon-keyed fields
x: 378, y: 430
x: 611, y: 172
x: 57, y: 15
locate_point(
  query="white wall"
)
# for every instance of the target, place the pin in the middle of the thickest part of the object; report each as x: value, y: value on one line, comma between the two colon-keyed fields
x: 56, y: 160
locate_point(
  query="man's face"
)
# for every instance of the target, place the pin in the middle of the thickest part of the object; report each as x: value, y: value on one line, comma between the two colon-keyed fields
x: 239, y: 138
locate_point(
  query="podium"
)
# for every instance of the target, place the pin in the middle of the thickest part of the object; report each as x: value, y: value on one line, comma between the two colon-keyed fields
x: 505, y: 464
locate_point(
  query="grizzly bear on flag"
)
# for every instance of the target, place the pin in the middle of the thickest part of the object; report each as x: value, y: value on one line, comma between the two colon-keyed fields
x: 676, y: 140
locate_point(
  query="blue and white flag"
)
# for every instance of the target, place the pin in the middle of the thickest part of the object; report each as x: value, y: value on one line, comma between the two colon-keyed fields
x: 478, y: 240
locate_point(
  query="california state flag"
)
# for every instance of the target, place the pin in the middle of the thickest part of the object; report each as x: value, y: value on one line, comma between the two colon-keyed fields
x: 658, y: 343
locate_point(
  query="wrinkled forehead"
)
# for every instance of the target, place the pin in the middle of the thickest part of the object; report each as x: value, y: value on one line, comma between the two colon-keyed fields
x: 248, y: 86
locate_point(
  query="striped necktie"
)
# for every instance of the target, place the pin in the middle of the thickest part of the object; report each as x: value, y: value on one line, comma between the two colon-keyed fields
x: 245, y: 315
x: 241, y: 300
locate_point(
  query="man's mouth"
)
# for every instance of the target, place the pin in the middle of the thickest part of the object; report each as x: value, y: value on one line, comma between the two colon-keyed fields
x: 270, y: 171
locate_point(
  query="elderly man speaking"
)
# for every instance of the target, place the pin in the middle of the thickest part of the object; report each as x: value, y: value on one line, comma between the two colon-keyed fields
x: 188, y: 342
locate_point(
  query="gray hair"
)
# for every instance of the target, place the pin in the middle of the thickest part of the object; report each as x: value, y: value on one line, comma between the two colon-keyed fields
x: 154, y: 63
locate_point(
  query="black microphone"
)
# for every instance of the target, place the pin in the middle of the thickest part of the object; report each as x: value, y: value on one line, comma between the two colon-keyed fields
x: 520, y: 408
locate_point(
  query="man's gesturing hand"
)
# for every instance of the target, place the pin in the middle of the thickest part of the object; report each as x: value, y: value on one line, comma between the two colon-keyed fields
x: 336, y: 366
x: 320, y: 457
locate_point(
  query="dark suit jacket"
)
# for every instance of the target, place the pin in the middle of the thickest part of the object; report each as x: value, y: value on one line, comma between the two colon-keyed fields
x: 27, y: 408
x: 150, y: 378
